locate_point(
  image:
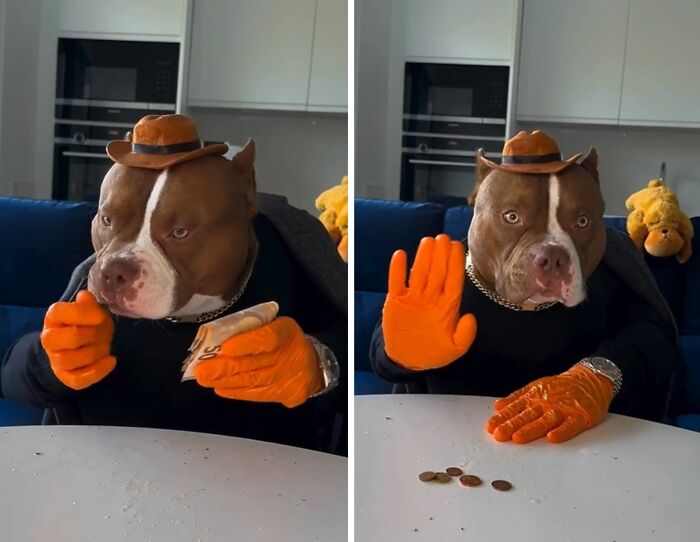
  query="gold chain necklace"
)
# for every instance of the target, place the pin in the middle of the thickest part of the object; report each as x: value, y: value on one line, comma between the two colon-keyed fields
x: 493, y: 296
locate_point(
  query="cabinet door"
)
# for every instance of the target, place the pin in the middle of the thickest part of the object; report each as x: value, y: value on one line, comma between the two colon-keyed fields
x: 462, y: 29
x: 251, y: 54
x: 661, y: 85
x: 155, y: 17
x: 328, y: 90
x: 571, y: 60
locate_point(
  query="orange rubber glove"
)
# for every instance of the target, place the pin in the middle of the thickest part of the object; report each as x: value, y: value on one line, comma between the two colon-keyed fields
x: 559, y: 406
x: 77, y: 337
x: 421, y: 324
x: 274, y: 363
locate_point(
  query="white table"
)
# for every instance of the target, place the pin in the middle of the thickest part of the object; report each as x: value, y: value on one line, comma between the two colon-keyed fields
x: 95, y: 484
x: 625, y: 480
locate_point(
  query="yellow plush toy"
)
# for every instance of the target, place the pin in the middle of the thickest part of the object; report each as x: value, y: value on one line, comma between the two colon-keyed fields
x: 657, y: 224
x: 333, y: 204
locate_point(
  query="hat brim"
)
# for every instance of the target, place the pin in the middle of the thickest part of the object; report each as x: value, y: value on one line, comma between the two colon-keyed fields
x: 546, y: 167
x: 120, y: 152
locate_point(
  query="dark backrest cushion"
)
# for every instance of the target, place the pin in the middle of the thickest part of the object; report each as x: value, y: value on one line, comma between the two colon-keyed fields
x: 381, y: 228
x: 41, y: 242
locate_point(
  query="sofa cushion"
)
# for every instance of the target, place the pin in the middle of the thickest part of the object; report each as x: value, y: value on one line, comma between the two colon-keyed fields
x: 457, y: 221
x: 381, y: 228
x: 368, y: 309
x: 17, y: 321
x: 368, y: 383
x: 41, y: 243
x: 689, y: 421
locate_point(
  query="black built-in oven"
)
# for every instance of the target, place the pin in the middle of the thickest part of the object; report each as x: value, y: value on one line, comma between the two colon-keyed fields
x: 450, y: 111
x: 103, y: 87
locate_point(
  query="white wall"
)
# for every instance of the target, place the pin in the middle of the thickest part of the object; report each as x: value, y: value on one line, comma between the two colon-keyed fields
x: 19, y: 96
x: 629, y: 157
x: 372, y: 46
x: 299, y: 155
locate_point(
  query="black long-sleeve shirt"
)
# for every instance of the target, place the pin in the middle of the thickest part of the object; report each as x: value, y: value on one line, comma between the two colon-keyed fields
x: 145, y: 389
x: 513, y: 348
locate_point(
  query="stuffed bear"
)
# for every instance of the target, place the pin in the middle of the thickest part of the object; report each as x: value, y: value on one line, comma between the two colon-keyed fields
x: 657, y: 224
x: 333, y: 204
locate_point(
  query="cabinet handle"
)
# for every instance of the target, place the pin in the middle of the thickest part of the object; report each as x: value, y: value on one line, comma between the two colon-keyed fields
x: 441, y: 163
x: 85, y: 155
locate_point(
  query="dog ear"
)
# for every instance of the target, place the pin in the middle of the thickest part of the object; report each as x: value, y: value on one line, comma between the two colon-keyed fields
x: 482, y: 170
x: 244, y: 159
x: 244, y: 163
x: 590, y: 163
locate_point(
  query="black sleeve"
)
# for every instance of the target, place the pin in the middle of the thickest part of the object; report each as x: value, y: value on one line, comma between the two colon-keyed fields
x: 25, y: 373
x: 27, y: 376
x: 646, y: 351
x: 382, y: 365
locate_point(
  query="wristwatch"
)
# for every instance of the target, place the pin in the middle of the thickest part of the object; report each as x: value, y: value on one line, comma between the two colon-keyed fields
x: 329, y: 365
x: 606, y: 368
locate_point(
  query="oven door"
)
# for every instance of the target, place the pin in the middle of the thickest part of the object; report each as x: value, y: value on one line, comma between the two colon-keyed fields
x: 78, y: 171
x: 444, y: 179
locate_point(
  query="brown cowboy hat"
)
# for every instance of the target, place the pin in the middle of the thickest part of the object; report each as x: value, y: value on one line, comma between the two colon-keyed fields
x: 161, y: 141
x: 535, y: 152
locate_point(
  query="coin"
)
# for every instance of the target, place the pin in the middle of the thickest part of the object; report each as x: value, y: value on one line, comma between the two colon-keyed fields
x: 426, y: 476
x: 469, y: 480
x: 442, y: 477
x: 501, y: 485
x: 454, y: 471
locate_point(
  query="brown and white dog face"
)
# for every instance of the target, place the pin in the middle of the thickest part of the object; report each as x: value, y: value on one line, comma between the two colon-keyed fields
x: 175, y: 241
x: 538, y: 238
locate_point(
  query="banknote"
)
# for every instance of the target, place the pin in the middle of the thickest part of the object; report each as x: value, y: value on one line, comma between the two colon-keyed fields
x: 207, y: 343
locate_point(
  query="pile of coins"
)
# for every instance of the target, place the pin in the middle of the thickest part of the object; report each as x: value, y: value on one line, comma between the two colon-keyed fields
x: 467, y: 480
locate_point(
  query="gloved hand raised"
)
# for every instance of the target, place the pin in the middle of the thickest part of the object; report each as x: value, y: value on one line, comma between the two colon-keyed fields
x: 273, y: 363
x: 77, y: 338
x: 421, y: 323
x: 559, y: 407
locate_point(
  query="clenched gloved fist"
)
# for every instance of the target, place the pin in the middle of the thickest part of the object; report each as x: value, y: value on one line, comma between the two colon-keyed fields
x: 273, y: 363
x: 421, y: 323
x: 77, y: 337
x: 559, y: 407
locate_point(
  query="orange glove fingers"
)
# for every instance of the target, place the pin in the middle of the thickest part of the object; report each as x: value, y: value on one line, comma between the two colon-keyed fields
x: 260, y: 395
x: 505, y: 431
x: 572, y: 426
x: 84, y: 312
x: 267, y: 338
x: 500, y: 404
x: 69, y: 360
x: 454, y: 281
x: 538, y: 428
x: 506, y: 414
x: 223, y: 372
x: 421, y: 266
x: 397, y: 274
x: 56, y: 339
x: 438, y: 269
x: 87, y: 376
x: 466, y: 331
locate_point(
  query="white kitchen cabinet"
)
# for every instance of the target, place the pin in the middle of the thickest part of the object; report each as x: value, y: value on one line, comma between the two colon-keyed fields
x: 328, y: 85
x: 661, y: 84
x: 150, y: 17
x: 571, y: 60
x: 251, y: 54
x: 459, y: 29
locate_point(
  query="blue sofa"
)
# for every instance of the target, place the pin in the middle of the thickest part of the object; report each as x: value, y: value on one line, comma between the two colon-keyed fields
x: 382, y: 226
x: 41, y: 242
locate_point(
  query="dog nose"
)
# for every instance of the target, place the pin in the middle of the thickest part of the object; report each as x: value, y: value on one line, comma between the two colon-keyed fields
x: 664, y: 231
x: 550, y: 259
x: 117, y: 275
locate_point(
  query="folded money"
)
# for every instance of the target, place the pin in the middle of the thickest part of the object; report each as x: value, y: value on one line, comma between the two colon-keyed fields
x: 210, y: 336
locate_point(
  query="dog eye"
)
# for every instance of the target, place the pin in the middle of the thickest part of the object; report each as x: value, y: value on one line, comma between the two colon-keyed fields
x: 180, y: 233
x: 107, y: 221
x: 582, y: 221
x: 511, y: 217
